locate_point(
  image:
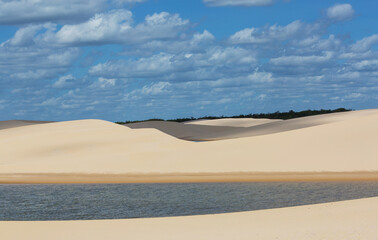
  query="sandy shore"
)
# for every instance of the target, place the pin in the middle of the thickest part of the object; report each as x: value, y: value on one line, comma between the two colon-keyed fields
x: 346, y: 220
x: 70, y: 178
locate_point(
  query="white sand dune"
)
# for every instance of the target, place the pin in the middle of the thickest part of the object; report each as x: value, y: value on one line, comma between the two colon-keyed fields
x: 99, y: 147
x: 19, y: 123
x: 346, y: 220
x: 199, y: 132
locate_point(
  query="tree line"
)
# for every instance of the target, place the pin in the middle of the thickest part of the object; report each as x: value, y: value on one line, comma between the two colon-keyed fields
x: 276, y: 115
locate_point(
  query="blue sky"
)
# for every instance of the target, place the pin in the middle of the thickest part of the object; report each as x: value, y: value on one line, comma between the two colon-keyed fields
x: 137, y: 59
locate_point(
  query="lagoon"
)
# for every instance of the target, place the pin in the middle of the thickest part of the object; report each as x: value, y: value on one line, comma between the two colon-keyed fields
x: 115, y: 201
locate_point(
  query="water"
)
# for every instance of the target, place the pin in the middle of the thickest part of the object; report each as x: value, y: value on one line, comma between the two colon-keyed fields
x: 111, y: 201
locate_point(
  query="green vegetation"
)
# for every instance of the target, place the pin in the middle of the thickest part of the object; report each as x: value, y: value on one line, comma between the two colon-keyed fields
x: 276, y: 115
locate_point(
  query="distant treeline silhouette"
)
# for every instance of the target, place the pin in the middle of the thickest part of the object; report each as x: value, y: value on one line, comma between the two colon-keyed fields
x: 276, y: 115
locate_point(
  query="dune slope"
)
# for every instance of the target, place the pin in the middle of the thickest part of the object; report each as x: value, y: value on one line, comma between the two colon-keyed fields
x: 346, y: 220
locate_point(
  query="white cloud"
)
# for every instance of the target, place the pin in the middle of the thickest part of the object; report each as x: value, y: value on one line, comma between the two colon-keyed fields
x: 116, y: 26
x: 25, y: 36
x: 65, y: 81
x: 183, y: 65
x: 50, y: 102
x: 243, y: 80
x: 268, y: 34
x: 38, y: 11
x: 340, y: 12
x: 104, y: 27
x: 143, y: 67
x: 365, y: 44
x: 231, y: 56
x: 301, y: 60
x: 157, y: 88
x: 197, y: 42
x: 315, y: 44
x: 238, y: 2
x: 354, y: 95
x: 33, y: 63
x: 103, y: 83
x: 367, y: 65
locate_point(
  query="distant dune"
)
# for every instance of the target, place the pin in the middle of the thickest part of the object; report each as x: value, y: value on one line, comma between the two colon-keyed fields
x: 346, y: 220
x: 19, y: 123
x: 233, y: 122
x: 317, y: 147
x: 205, y: 130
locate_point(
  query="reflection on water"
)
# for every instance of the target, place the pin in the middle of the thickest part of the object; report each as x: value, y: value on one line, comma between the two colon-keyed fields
x: 109, y: 201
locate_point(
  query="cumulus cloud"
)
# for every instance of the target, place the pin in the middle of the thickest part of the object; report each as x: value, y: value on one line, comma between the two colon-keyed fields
x: 31, y: 63
x: 196, y: 43
x: 247, y: 3
x: 149, y: 90
x: 340, y: 12
x: 269, y: 34
x: 105, y: 82
x: 365, y: 44
x: 301, y: 60
x: 104, y: 27
x: 116, y: 26
x: 367, y: 65
x: 62, y: 11
x: 170, y: 66
x: 65, y: 81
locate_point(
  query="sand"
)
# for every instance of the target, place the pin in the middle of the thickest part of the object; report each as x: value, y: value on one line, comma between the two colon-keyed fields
x: 345, y: 220
x: 86, y: 147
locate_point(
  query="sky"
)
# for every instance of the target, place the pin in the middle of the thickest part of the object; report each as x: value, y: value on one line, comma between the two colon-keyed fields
x: 121, y: 60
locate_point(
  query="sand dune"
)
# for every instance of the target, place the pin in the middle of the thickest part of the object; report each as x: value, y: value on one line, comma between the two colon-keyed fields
x: 346, y: 220
x: 214, y: 131
x: 100, y: 147
x: 19, y: 123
